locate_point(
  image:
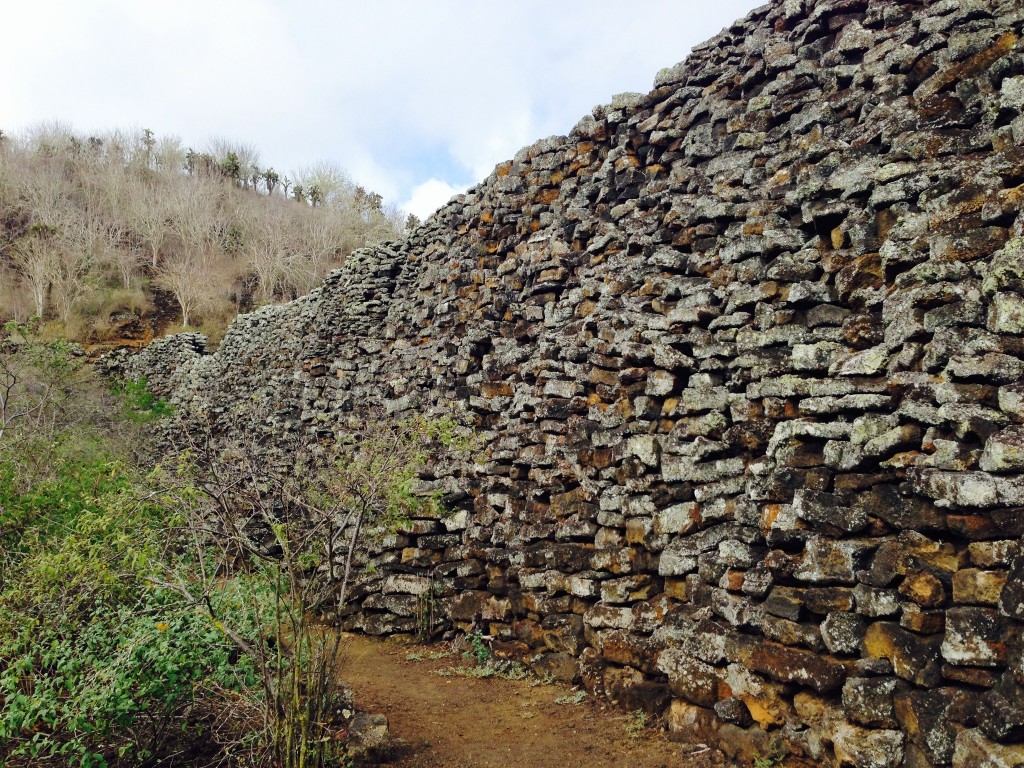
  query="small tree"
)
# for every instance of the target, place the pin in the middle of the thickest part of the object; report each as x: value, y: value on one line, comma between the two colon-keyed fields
x: 37, y: 381
x: 36, y: 256
x: 265, y: 245
x: 286, y: 539
x: 85, y: 242
x: 188, y: 277
x: 271, y: 178
x: 150, y: 216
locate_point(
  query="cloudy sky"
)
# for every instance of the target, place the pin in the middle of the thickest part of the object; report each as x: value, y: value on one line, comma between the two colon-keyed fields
x: 416, y: 99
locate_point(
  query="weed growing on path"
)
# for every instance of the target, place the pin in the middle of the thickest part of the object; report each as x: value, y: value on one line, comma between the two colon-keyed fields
x: 478, y: 648
x: 572, y: 698
x: 507, y: 670
x: 636, y: 722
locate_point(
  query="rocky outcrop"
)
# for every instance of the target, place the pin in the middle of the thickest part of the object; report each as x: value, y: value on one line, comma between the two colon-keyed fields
x: 744, y: 357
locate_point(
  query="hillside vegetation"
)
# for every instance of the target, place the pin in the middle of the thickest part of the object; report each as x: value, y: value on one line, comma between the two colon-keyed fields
x: 165, y: 604
x: 126, y: 233
x: 150, y: 613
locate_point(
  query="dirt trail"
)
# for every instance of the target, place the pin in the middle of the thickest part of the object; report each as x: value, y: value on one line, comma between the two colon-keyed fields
x: 466, y: 722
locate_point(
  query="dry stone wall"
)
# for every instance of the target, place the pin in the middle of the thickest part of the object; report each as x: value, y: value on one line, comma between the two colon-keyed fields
x: 744, y: 356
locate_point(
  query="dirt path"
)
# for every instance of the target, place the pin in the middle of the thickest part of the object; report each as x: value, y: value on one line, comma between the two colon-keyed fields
x: 466, y: 722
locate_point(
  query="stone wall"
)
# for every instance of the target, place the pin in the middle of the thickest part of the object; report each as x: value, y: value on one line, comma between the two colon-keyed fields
x: 745, y: 360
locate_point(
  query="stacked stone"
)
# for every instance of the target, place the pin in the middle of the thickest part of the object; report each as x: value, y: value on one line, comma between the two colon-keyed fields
x: 744, y: 358
x: 164, y: 364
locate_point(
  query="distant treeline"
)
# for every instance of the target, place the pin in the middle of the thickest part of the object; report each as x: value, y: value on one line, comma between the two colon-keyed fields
x: 95, y: 229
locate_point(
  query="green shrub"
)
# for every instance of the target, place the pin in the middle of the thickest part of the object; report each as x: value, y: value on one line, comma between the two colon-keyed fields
x: 135, y: 605
x: 99, y: 666
x: 141, y: 405
x: 126, y: 676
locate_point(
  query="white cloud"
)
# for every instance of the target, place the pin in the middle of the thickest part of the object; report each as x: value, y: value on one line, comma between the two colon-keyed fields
x: 429, y: 196
x: 402, y: 93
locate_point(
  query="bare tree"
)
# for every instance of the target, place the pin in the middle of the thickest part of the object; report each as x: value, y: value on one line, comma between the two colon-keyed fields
x: 196, y: 217
x: 127, y: 261
x: 295, y: 531
x: 323, y: 242
x: 266, y: 247
x: 105, y: 188
x: 90, y: 214
x: 150, y: 216
x: 187, y: 275
x: 48, y: 137
x: 330, y: 180
x: 85, y: 241
x: 168, y: 156
x: 69, y: 277
x: 36, y: 255
x: 36, y: 382
x: 38, y: 187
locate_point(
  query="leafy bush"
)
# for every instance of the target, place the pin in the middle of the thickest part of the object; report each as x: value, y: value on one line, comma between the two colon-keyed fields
x: 98, y: 666
x: 121, y: 684
x: 291, y: 533
x: 149, y: 613
x: 140, y: 404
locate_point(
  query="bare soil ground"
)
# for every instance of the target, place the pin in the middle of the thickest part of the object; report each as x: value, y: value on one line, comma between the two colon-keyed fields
x: 466, y: 722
